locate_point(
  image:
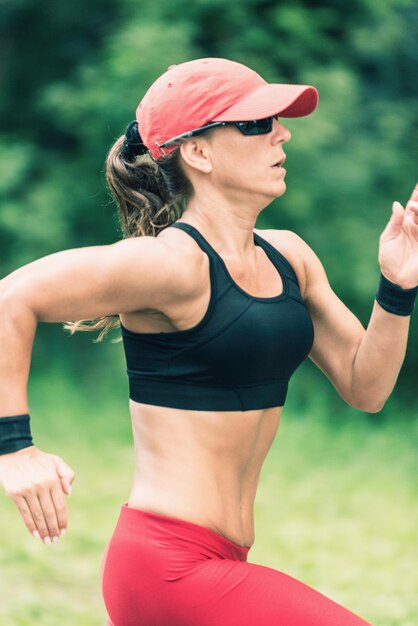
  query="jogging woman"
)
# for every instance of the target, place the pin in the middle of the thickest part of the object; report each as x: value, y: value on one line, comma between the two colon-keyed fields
x: 215, y: 317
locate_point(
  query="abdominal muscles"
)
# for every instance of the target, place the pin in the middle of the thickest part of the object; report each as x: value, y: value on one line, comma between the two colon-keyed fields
x: 201, y: 466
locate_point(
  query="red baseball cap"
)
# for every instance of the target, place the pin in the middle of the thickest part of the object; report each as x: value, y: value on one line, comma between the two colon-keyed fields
x: 192, y: 94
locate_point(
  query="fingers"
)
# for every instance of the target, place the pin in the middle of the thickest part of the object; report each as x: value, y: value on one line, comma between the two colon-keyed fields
x: 32, y: 514
x: 44, y: 513
x: 413, y: 210
x: 27, y: 514
x: 34, y: 481
x: 50, y: 515
x: 58, y: 501
x: 64, y: 471
x: 411, y: 206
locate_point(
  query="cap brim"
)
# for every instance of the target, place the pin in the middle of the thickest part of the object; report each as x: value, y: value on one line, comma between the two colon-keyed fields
x: 272, y: 99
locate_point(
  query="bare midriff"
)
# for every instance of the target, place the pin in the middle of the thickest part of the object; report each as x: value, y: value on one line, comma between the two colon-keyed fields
x: 198, y: 465
x: 201, y: 466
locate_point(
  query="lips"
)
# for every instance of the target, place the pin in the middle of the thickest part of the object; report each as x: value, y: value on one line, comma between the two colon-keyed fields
x: 279, y: 163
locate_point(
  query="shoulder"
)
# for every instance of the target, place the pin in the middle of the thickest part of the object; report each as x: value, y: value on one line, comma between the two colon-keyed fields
x: 162, y: 269
x: 160, y: 253
x: 180, y: 251
x: 294, y: 248
x: 184, y: 248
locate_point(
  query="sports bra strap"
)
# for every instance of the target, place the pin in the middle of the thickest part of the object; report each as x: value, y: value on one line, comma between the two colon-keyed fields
x: 200, y: 240
x: 281, y: 263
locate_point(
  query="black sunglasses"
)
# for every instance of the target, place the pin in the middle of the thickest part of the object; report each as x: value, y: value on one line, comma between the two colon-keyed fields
x: 252, y: 127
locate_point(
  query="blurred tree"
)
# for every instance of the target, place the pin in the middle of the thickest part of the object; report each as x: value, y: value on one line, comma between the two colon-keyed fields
x: 72, y: 76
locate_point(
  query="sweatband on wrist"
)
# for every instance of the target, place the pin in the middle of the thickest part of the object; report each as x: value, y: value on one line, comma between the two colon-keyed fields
x: 15, y: 433
x: 394, y: 298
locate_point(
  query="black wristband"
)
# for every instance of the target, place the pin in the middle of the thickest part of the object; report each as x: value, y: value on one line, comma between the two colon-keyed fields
x: 394, y: 298
x: 15, y: 433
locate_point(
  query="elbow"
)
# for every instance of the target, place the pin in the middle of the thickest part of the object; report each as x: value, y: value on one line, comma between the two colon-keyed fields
x: 368, y: 408
x: 6, y: 296
x: 16, y: 312
x: 365, y: 405
x: 365, y: 401
x: 374, y: 409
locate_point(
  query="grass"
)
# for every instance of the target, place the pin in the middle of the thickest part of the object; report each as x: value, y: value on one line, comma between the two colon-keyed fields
x: 336, y: 508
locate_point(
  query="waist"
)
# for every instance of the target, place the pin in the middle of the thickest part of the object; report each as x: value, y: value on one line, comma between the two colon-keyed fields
x: 201, y: 466
x: 156, y: 527
x: 233, y: 524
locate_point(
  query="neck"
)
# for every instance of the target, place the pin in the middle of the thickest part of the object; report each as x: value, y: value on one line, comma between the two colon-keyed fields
x: 227, y: 227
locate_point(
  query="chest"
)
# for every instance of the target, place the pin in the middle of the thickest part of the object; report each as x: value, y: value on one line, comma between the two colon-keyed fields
x: 182, y: 314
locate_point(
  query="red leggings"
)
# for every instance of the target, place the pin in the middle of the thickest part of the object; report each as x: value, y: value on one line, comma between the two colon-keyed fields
x: 163, y: 571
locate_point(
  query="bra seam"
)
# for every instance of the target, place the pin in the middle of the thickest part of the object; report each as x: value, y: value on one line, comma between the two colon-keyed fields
x: 239, y: 399
x: 201, y: 343
x: 299, y: 300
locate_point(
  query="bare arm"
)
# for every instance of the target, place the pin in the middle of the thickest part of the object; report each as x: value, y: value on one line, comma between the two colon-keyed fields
x: 17, y: 333
x: 83, y: 283
x: 380, y: 356
x: 363, y: 365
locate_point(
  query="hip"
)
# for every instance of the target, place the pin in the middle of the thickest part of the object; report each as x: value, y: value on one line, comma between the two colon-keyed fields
x: 213, y: 510
x: 152, y: 556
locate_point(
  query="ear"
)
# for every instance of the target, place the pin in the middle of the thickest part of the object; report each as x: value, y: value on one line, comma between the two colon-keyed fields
x: 196, y: 153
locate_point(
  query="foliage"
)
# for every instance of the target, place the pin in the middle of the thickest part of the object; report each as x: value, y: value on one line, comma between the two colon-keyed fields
x: 72, y: 76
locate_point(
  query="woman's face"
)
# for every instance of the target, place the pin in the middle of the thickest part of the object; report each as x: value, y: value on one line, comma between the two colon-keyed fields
x: 244, y: 164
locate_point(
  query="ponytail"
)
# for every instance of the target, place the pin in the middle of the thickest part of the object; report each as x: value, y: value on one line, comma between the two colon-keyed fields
x: 150, y: 196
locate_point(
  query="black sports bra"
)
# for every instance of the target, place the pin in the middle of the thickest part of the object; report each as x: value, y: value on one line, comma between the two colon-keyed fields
x: 241, y: 354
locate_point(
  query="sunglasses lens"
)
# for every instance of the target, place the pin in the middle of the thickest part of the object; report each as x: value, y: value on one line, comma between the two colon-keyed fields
x: 249, y: 128
x: 265, y: 125
x: 256, y: 127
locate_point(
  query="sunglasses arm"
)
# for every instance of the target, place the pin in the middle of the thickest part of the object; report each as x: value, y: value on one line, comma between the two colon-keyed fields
x: 190, y: 133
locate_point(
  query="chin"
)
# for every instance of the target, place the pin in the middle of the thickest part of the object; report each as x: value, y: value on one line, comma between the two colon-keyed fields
x: 275, y: 193
x: 281, y: 189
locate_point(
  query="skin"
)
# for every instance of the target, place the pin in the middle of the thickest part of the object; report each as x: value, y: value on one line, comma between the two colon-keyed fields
x: 207, y: 468
x: 200, y: 466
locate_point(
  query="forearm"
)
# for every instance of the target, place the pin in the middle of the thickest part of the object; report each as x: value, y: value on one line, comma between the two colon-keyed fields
x: 379, y: 358
x: 17, y: 333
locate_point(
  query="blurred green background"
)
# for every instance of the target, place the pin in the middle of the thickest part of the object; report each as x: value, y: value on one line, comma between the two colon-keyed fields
x: 337, y: 497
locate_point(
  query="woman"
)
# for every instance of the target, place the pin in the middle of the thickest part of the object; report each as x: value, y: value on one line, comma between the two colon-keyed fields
x: 215, y: 317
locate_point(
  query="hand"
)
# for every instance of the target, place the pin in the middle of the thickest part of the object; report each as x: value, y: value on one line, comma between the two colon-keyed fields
x: 36, y: 482
x: 398, y: 244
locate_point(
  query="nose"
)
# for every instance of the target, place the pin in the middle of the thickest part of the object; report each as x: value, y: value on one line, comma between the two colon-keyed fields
x: 280, y: 132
